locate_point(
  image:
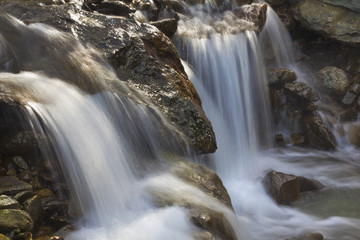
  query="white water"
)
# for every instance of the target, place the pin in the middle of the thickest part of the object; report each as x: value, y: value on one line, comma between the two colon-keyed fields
x: 224, y: 69
x: 109, y: 145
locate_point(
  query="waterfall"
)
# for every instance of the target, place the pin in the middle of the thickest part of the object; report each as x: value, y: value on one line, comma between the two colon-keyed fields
x: 228, y: 69
x: 108, y: 140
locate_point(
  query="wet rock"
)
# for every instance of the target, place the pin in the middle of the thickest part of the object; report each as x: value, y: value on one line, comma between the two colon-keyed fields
x: 254, y: 13
x: 333, y: 81
x: 203, y: 178
x: 33, y: 206
x: 11, y: 219
x: 308, y: 184
x: 278, y: 77
x: 22, y: 196
x: 7, y: 202
x: 117, y: 8
x: 355, y: 89
x: 317, y: 134
x: 142, y: 56
x: 44, y: 193
x: 302, y: 91
x: 20, y: 142
x: 353, y: 5
x: 201, y: 236
x: 53, y: 205
x: 167, y: 26
x: 297, y: 138
x: 353, y: 133
x: 308, y: 236
x: 331, y: 21
x: 212, y: 221
x: 49, y: 238
x: 275, y: 3
x: 11, y: 186
x: 283, y: 188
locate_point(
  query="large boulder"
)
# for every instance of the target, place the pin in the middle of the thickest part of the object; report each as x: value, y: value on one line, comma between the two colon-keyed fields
x: 141, y: 55
x: 254, y: 13
x: 334, y: 22
x: 333, y: 81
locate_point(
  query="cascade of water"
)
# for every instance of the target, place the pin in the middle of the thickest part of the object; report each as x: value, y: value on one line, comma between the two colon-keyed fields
x: 224, y: 69
x: 102, y: 140
x: 234, y: 94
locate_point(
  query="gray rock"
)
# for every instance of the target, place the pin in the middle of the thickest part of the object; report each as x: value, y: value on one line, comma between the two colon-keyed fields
x: 11, y: 219
x: 333, y: 81
x: 255, y: 13
x: 7, y: 202
x: 20, y: 162
x: 349, y: 98
x: 331, y: 21
x: 353, y: 5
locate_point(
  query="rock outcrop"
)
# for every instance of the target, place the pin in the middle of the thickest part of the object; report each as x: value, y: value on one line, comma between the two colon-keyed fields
x: 141, y: 55
x: 333, y: 22
x: 294, y: 106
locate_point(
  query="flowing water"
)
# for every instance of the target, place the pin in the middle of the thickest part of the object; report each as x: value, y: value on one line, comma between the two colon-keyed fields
x: 100, y: 137
x: 228, y: 71
x: 109, y: 145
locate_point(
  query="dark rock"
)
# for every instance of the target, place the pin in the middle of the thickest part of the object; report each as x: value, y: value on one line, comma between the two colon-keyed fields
x: 201, y: 235
x: 33, y: 206
x: 11, y: 219
x: 44, y: 193
x: 255, y: 13
x: 54, y: 205
x: 308, y: 236
x: 353, y: 133
x: 22, y: 196
x: 167, y: 26
x: 283, y: 188
x: 302, y: 91
x: 317, y: 134
x: 333, y: 81
x: 278, y: 77
x: 117, y: 8
x: 275, y: 3
x: 307, y: 184
x: 20, y: 142
x: 355, y: 88
x: 7, y: 202
x: 11, y: 186
x: 297, y: 138
x: 279, y: 138
x: 49, y: 238
x: 331, y: 21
